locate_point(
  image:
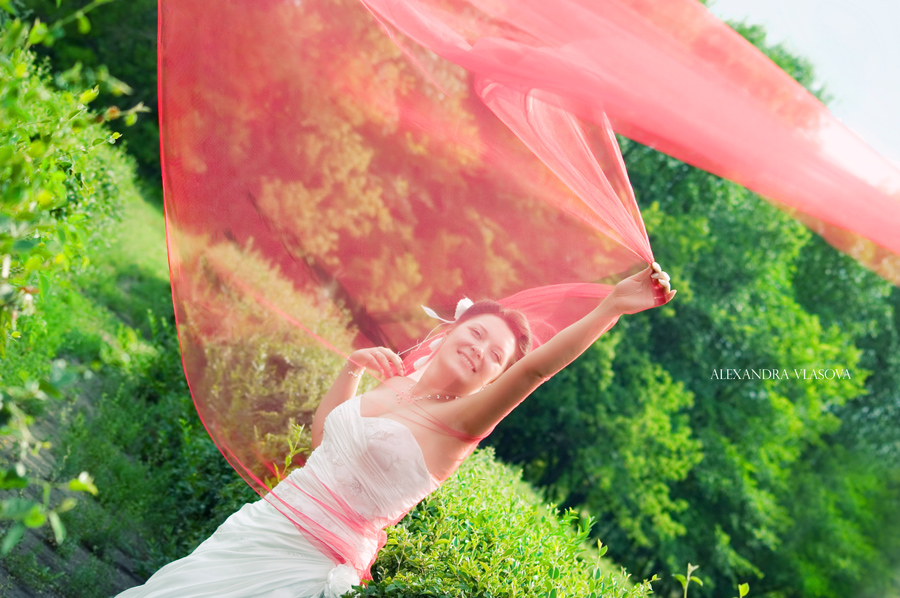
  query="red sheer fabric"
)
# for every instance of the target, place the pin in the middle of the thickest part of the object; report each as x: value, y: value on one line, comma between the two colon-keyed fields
x: 670, y: 75
x: 324, y: 180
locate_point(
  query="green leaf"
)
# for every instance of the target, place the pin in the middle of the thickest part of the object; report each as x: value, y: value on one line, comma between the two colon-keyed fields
x: 681, y: 578
x: 37, y: 148
x: 89, y: 96
x: 84, y: 483
x: 33, y: 263
x: 12, y: 538
x: 15, y: 35
x: 10, y: 478
x: 698, y: 580
x: 44, y: 286
x: 37, y: 34
x: 35, y: 517
x: 23, y: 245
x: 84, y: 25
x: 62, y: 260
x: 59, y: 530
x: 743, y: 589
x: 71, y: 75
x: 48, y: 388
x: 44, y: 198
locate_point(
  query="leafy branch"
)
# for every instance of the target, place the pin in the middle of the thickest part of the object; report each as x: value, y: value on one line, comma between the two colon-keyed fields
x: 49, y: 206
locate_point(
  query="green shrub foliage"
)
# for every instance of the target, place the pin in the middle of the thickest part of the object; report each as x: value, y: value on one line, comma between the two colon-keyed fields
x: 59, y: 181
x: 776, y: 481
x: 479, y: 536
x: 790, y: 485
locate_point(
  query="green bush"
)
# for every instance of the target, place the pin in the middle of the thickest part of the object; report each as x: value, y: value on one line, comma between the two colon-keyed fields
x: 59, y: 182
x: 479, y: 535
x: 121, y: 38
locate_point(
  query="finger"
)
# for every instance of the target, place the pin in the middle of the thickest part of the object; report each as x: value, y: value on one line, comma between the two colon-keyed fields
x: 384, y: 364
x: 666, y: 285
x: 395, y: 359
x: 659, y: 295
x: 656, y: 267
x: 669, y: 295
x: 388, y: 366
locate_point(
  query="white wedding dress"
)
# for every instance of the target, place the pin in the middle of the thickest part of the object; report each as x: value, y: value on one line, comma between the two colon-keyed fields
x: 376, y: 472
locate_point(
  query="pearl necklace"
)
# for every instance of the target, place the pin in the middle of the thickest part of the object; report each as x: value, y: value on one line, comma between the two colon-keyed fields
x: 407, y: 396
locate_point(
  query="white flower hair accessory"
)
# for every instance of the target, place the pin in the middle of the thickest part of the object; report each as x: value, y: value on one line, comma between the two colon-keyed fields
x: 461, y: 307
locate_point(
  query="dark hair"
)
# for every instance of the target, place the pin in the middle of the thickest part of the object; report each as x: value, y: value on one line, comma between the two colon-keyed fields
x: 516, y: 321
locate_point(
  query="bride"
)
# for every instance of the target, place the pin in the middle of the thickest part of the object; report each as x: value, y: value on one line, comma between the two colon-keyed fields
x: 378, y: 454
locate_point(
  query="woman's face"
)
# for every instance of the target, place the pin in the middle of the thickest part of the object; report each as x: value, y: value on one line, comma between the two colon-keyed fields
x: 475, y: 353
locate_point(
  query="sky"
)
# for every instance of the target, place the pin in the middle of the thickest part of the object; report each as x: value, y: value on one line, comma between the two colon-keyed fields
x: 854, y: 47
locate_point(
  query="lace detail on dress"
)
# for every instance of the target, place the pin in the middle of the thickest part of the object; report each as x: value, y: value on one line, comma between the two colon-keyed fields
x: 372, y: 466
x: 393, y: 447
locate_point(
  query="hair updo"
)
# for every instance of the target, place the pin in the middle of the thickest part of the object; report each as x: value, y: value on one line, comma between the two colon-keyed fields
x: 514, y: 319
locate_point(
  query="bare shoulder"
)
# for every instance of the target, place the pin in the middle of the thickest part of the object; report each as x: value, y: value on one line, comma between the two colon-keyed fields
x: 454, y: 414
x: 478, y: 413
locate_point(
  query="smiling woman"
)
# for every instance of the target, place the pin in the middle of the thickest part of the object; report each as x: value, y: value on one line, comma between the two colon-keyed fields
x: 378, y: 454
x: 322, y: 183
x: 435, y: 401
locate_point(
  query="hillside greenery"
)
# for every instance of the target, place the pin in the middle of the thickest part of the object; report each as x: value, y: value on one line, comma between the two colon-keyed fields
x: 790, y: 485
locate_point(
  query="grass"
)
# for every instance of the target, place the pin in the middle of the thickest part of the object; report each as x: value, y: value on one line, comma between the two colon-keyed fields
x: 101, y: 322
x: 130, y: 275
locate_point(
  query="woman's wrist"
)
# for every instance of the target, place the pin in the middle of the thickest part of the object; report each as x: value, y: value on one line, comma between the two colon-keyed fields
x: 610, y: 304
x: 354, y: 370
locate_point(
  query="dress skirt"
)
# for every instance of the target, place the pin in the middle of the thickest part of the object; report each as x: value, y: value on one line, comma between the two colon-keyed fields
x: 256, y: 552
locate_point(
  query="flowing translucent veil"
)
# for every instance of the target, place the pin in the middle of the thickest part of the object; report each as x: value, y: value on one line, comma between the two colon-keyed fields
x: 331, y: 166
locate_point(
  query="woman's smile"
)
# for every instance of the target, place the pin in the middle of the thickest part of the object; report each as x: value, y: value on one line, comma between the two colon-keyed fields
x: 468, y: 360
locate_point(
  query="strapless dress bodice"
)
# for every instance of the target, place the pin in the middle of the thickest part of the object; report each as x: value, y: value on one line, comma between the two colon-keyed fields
x: 367, y: 473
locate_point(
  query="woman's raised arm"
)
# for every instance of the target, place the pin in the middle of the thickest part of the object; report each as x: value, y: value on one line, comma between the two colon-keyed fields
x: 482, y: 410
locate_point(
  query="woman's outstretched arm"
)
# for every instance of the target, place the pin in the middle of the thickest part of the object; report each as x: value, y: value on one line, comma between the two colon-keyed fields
x: 482, y: 410
x: 378, y: 359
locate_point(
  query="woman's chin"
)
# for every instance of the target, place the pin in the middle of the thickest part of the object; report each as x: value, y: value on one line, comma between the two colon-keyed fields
x: 462, y: 380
